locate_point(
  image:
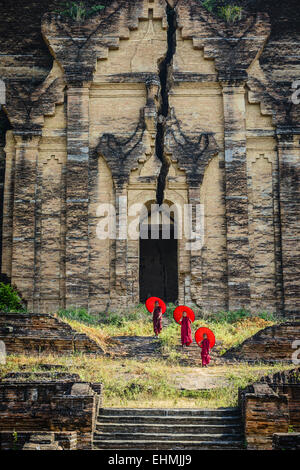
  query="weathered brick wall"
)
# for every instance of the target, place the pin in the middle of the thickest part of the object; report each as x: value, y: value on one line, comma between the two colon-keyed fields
x: 274, y: 343
x: 265, y: 414
x: 38, y: 440
x: 192, y: 116
x: 28, y: 333
x: 62, y: 405
x: 270, y: 406
x: 288, y: 383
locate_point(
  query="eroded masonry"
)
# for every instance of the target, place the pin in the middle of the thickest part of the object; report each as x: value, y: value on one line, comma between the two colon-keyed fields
x: 161, y: 102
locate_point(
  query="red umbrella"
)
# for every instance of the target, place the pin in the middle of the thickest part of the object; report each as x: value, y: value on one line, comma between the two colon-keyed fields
x: 210, y: 336
x: 177, y: 314
x: 150, y: 303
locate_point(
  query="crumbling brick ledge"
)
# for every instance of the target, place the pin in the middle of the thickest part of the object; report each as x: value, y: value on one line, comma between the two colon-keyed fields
x: 272, y: 344
x: 270, y: 406
x: 35, y: 440
x: 48, y: 405
x: 42, y: 333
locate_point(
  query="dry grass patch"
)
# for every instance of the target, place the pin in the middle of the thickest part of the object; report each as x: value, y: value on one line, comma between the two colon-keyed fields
x: 130, y: 383
x: 96, y: 333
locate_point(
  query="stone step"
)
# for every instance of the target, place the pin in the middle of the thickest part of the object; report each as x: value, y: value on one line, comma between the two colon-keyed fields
x: 234, y: 428
x: 123, y: 436
x: 167, y: 445
x: 178, y: 420
x: 169, y: 429
x: 223, y: 412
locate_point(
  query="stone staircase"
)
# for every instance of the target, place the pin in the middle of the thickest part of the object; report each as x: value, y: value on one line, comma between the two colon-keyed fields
x: 168, y: 429
x: 142, y: 348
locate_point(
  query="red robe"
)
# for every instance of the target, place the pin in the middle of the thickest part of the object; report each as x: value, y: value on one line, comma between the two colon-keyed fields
x: 157, y: 320
x: 186, y: 332
x: 205, y: 352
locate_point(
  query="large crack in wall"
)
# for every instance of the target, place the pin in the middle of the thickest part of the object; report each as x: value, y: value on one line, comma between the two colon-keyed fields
x: 165, y: 74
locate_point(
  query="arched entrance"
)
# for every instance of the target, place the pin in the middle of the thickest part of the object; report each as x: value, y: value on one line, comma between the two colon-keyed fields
x: 158, y: 273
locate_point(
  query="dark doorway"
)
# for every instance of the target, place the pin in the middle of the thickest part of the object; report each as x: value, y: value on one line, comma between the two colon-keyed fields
x: 159, y: 267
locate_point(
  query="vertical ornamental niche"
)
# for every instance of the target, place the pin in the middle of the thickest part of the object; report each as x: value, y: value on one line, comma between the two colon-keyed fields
x: 213, y: 259
x: 264, y: 217
x: 261, y: 216
x: 151, y: 101
x: 48, y: 290
x: 101, y: 250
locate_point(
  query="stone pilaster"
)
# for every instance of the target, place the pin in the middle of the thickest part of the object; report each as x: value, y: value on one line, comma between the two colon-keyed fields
x: 77, y: 197
x: 277, y: 239
x: 8, y: 204
x: 121, y: 281
x: 195, y: 254
x: 24, y: 217
x: 289, y: 194
x: 236, y: 195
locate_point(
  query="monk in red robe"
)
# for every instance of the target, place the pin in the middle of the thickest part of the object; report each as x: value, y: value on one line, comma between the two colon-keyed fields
x: 205, y: 351
x: 186, y: 331
x: 157, y: 318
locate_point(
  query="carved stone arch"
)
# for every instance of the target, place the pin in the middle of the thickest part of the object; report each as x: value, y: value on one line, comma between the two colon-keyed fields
x: 148, y: 205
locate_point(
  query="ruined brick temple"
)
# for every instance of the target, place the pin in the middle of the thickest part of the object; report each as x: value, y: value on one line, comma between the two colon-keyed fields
x: 159, y: 102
